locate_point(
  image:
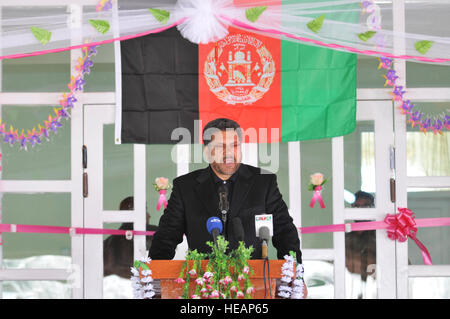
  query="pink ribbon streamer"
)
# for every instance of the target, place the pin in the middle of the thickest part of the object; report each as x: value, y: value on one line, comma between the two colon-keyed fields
x: 162, y: 199
x: 402, y: 226
x: 9, y: 228
x: 127, y: 37
x: 317, y: 197
x: 396, y: 226
x: 241, y: 25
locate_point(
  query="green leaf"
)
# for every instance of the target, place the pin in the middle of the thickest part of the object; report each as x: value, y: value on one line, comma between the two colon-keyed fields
x: 253, y: 14
x: 366, y: 35
x: 293, y: 255
x: 140, y: 264
x: 102, y: 26
x: 423, y: 46
x: 316, y: 24
x: 160, y: 15
x: 41, y: 35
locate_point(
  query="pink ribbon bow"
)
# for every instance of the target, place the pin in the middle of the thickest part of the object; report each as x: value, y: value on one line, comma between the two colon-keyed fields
x: 162, y: 199
x: 401, y: 226
x: 317, y: 197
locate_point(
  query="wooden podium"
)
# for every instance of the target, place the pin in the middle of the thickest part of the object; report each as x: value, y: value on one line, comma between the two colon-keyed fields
x: 168, y: 270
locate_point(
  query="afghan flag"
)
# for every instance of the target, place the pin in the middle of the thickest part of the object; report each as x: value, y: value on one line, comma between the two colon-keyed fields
x: 278, y: 91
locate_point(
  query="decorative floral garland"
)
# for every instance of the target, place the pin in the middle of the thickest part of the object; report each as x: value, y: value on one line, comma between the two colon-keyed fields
x: 103, y: 5
x: 141, y: 279
x: 53, y: 123
x: 298, y: 285
x: 425, y: 121
x: 218, y: 282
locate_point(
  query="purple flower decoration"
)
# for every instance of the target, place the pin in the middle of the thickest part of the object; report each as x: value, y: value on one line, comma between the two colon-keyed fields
x: 63, y: 113
x: 425, y: 125
x: 87, y: 66
x: 407, y: 106
x: 385, y: 62
x: 366, y: 3
x: 92, y: 50
x: 23, y: 142
x: 44, y: 131
x: 70, y: 100
x: 390, y: 77
x: 437, y: 126
x: 54, y: 124
x: 79, y: 83
x: 35, y: 139
x: 108, y: 6
x: 447, y: 122
x: 398, y: 93
x: 10, y: 138
x: 415, y: 118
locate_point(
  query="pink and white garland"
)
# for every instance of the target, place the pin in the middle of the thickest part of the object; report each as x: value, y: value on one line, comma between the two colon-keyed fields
x: 295, y: 291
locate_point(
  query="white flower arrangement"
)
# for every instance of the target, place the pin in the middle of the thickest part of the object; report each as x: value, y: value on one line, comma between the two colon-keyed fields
x: 142, y: 285
x: 296, y: 290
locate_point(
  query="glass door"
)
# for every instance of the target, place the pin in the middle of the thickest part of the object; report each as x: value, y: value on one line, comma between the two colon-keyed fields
x: 114, y: 197
x: 368, y: 174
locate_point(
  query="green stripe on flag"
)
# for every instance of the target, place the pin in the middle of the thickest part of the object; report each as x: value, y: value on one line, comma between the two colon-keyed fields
x: 318, y: 91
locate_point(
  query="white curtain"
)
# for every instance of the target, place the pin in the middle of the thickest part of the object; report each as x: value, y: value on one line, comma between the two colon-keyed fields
x: 344, y: 21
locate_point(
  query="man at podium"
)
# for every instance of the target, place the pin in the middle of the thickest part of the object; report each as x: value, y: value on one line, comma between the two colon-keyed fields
x: 232, y: 191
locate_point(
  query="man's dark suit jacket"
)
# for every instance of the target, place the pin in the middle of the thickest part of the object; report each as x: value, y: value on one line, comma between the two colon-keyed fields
x: 194, y: 200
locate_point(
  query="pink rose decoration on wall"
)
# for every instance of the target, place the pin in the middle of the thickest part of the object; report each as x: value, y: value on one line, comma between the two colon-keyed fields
x: 316, y: 182
x: 162, y: 184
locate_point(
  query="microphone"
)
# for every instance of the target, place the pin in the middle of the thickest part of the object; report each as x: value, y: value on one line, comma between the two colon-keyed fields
x: 214, y: 226
x: 223, y: 202
x: 264, y: 234
x: 238, y: 229
x: 264, y: 229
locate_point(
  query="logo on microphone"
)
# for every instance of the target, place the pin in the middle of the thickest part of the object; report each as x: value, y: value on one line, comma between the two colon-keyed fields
x: 263, y: 218
x: 264, y: 221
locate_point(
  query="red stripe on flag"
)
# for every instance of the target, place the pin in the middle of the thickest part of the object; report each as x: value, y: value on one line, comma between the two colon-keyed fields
x: 239, y: 79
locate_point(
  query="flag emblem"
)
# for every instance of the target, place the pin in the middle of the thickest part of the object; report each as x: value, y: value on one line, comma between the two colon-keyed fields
x: 239, y: 69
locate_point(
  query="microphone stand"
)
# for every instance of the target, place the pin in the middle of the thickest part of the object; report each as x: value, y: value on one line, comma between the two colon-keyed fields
x: 223, y: 206
x: 265, y: 257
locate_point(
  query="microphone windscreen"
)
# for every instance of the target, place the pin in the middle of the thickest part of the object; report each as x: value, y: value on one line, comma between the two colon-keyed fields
x: 264, y: 233
x: 214, y: 223
x: 238, y: 229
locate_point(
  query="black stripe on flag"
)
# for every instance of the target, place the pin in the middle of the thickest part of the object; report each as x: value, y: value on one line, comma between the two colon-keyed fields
x: 159, y: 87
